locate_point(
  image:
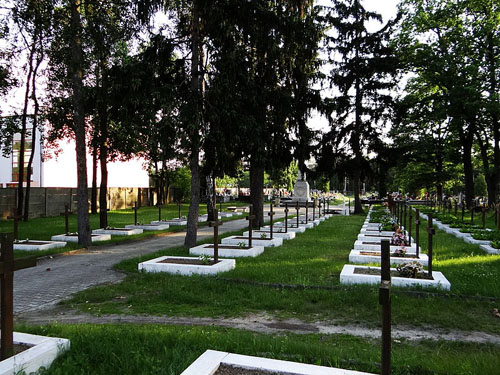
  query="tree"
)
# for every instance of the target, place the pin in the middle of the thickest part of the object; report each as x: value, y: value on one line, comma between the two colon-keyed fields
x: 363, y: 73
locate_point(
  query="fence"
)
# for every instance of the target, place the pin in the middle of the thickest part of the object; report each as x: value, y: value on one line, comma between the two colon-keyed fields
x: 51, y: 201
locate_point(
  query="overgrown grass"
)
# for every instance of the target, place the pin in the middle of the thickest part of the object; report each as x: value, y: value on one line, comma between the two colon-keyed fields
x: 154, y: 349
x: 314, y: 258
x: 46, y: 227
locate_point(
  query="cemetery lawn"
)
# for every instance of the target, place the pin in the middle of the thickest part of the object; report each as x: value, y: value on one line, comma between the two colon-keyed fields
x: 301, y: 279
x: 46, y: 227
x: 158, y: 349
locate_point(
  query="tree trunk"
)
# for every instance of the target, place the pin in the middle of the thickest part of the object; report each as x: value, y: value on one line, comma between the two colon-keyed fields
x: 257, y: 192
x: 210, y: 198
x: 468, y: 169
x: 76, y: 68
x: 93, y: 198
x: 103, y: 188
x: 192, y: 225
x: 495, y: 121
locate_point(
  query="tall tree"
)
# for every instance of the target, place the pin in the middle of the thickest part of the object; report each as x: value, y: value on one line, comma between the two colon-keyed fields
x: 364, y: 66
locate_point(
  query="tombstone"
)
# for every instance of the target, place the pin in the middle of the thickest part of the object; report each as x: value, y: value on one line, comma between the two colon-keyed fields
x: 385, y: 302
x: 16, y: 219
x: 301, y: 189
x: 271, y: 214
x: 430, y: 233
x: 66, y: 214
x: 417, y: 231
x: 7, y: 267
x: 216, y: 224
x: 250, y: 218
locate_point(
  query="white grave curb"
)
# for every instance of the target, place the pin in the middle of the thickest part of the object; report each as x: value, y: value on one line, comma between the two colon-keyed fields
x: 208, y: 249
x: 286, y: 236
x: 290, y: 229
x: 236, y: 240
x: 45, y: 246
x: 356, y: 257
x: 294, y: 223
x: 490, y: 249
x: 170, y: 222
x: 93, y: 237
x: 209, y: 362
x: 148, y: 226
x: 154, y: 266
x: 118, y: 231
x: 347, y: 276
x: 43, y: 352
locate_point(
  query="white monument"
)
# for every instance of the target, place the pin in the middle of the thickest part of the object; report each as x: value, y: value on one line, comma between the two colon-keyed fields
x: 301, y: 189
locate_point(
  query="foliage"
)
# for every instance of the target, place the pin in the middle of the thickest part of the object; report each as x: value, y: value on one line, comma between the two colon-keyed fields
x: 180, y: 179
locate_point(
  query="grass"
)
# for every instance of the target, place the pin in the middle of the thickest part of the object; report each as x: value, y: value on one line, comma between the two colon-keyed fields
x: 314, y: 259
x: 46, y: 227
x: 155, y: 349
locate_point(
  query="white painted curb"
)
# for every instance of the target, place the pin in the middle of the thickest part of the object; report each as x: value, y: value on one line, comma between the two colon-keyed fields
x: 154, y: 266
x: 208, y: 249
x: 236, y: 240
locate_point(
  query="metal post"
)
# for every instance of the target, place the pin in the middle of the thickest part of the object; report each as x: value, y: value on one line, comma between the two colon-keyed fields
x: 404, y: 215
x: 297, y: 210
x: 250, y: 217
x: 215, y: 224
x: 307, y: 212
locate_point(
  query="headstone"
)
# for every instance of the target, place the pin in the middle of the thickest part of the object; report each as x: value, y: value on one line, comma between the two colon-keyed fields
x: 301, y: 189
x: 7, y: 267
x: 216, y: 224
x: 385, y: 302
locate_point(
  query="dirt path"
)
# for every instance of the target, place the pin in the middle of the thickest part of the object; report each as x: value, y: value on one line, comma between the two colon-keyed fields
x: 261, y: 324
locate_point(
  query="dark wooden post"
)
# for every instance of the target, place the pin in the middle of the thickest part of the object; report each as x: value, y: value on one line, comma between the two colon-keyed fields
x: 472, y: 214
x: 314, y: 209
x: 417, y: 231
x: 463, y: 211
x: 220, y: 205
x: 271, y: 214
x: 307, y: 212
x: 286, y: 217
x: 498, y: 217
x: 456, y: 207
x: 66, y: 214
x: 7, y: 267
x: 250, y: 218
x: 135, y: 212
x: 16, y: 219
x: 179, y: 209
x: 159, y: 211
x: 410, y: 217
x: 297, y: 210
x: 430, y: 232
x: 483, y: 213
x: 385, y: 302
x: 405, y: 216
x: 216, y: 224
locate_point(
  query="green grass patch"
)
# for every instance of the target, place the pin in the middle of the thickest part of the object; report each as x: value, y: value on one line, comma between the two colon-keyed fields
x: 155, y: 349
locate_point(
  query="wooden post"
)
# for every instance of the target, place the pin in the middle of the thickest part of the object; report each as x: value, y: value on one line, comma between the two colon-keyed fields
x: 463, y: 211
x: 456, y: 207
x: 16, y: 219
x: 271, y: 214
x: 430, y: 232
x: 297, y: 210
x: 159, y: 211
x: 385, y: 302
x: 216, y: 224
x: 7, y: 267
x: 135, y: 212
x: 250, y: 218
x: 286, y: 217
x: 417, y: 231
x: 410, y: 224
x: 307, y: 212
x: 179, y: 209
x: 404, y: 218
x: 66, y: 214
x: 483, y: 213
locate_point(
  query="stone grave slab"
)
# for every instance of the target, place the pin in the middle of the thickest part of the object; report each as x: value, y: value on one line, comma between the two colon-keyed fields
x: 210, y: 361
x: 375, y: 245
x: 159, y: 265
x: 293, y: 224
x: 118, y: 231
x: 276, y: 233
x: 42, y: 352
x: 302, y: 220
x: 148, y: 227
x: 364, y: 257
x: 472, y: 240
x: 36, y: 245
x: 74, y: 237
x: 490, y: 249
x: 348, y: 276
x: 236, y: 240
x: 231, y: 251
x: 171, y: 222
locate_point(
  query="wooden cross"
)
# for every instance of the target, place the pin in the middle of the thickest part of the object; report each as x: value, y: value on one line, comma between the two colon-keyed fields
x: 472, y: 214
x: 430, y: 232
x: 271, y: 214
x: 159, y: 211
x: 66, y: 214
x: 410, y: 225
x: 404, y: 215
x: 314, y: 209
x: 135, y: 212
x: 456, y: 208
x: 286, y: 217
x: 463, y: 211
x: 7, y: 267
x: 483, y: 213
x: 385, y: 302
x: 216, y: 224
x: 179, y: 208
x: 250, y: 218
x: 417, y: 230
x: 16, y: 219
x: 307, y: 212
x: 297, y: 209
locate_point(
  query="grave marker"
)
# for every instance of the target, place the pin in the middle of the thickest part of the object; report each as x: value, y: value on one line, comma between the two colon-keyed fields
x: 297, y: 209
x: 483, y: 213
x: 135, y: 212
x: 307, y: 212
x: 430, y: 232
x: 179, y: 209
x: 216, y: 224
x: 286, y: 217
x: 250, y: 218
x: 385, y: 302
x: 16, y: 219
x: 7, y: 267
x: 66, y: 214
x: 159, y: 211
x: 314, y: 209
x: 271, y: 214
x: 417, y: 231
x: 410, y: 225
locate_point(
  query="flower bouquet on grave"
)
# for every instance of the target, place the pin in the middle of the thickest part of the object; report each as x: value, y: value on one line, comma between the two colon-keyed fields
x: 22, y: 241
x: 400, y: 253
x: 399, y: 239
x: 412, y: 270
x: 387, y: 222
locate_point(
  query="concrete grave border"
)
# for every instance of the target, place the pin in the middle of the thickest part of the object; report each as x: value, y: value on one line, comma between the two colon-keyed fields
x: 46, y: 246
x: 208, y: 249
x: 154, y: 266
